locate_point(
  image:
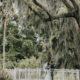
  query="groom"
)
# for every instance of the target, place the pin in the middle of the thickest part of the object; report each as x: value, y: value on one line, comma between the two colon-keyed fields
x: 52, y: 70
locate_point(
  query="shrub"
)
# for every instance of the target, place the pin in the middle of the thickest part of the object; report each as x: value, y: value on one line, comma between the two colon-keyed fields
x: 29, y: 63
x: 10, y: 64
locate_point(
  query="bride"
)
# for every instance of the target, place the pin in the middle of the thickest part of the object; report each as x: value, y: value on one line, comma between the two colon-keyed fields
x: 48, y: 73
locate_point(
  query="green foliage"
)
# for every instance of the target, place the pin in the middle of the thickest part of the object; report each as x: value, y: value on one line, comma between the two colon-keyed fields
x: 10, y: 64
x: 29, y: 63
x: 15, y: 18
x: 28, y: 47
x: 20, y: 43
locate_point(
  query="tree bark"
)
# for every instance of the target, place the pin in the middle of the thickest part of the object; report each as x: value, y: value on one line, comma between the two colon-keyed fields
x: 4, y: 40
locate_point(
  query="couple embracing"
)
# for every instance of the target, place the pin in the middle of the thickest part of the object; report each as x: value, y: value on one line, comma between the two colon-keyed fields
x: 50, y: 71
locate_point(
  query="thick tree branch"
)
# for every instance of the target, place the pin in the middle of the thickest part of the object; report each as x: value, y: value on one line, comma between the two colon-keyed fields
x: 74, y: 4
x: 41, y: 6
x: 71, y: 12
x: 65, y: 15
x: 70, y: 8
x: 34, y: 11
x: 39, y: 15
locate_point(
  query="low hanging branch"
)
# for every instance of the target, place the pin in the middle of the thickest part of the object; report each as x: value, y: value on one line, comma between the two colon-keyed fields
x: 73, y: 11
x: 74, y: 4
x: 70, y: 8
x: 41, y: 6
x: 50, y: 18
x: 39, y: 15
x: 36, y: 12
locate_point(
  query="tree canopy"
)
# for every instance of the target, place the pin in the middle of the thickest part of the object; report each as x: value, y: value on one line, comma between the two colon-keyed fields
x: 45, y: 29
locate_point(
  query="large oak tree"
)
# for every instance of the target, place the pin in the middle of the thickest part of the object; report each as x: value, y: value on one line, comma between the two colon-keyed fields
x: 72, y: 12
x: 72, y: 6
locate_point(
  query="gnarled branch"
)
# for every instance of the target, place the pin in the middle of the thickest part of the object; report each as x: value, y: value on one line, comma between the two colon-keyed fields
x: 39, y: 15
x: 41, y: 6
x: 70, y: 8
x: 74, y: 4
x: 69, y: 14
x: 65, y: 15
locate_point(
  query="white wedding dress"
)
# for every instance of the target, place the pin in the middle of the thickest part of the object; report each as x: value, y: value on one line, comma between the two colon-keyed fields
x: 47, y: 71
x: 48, y: 75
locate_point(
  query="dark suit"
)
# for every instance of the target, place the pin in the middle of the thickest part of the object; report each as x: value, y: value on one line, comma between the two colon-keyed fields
x: 52, y: 71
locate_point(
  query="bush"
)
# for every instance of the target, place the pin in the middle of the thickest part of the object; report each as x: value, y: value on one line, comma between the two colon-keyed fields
x: 29, y: 63
x: 10, y: 64
x: 4, y: 75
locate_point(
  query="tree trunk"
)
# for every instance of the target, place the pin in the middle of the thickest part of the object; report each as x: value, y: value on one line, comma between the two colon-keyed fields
x: 4, y: 40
